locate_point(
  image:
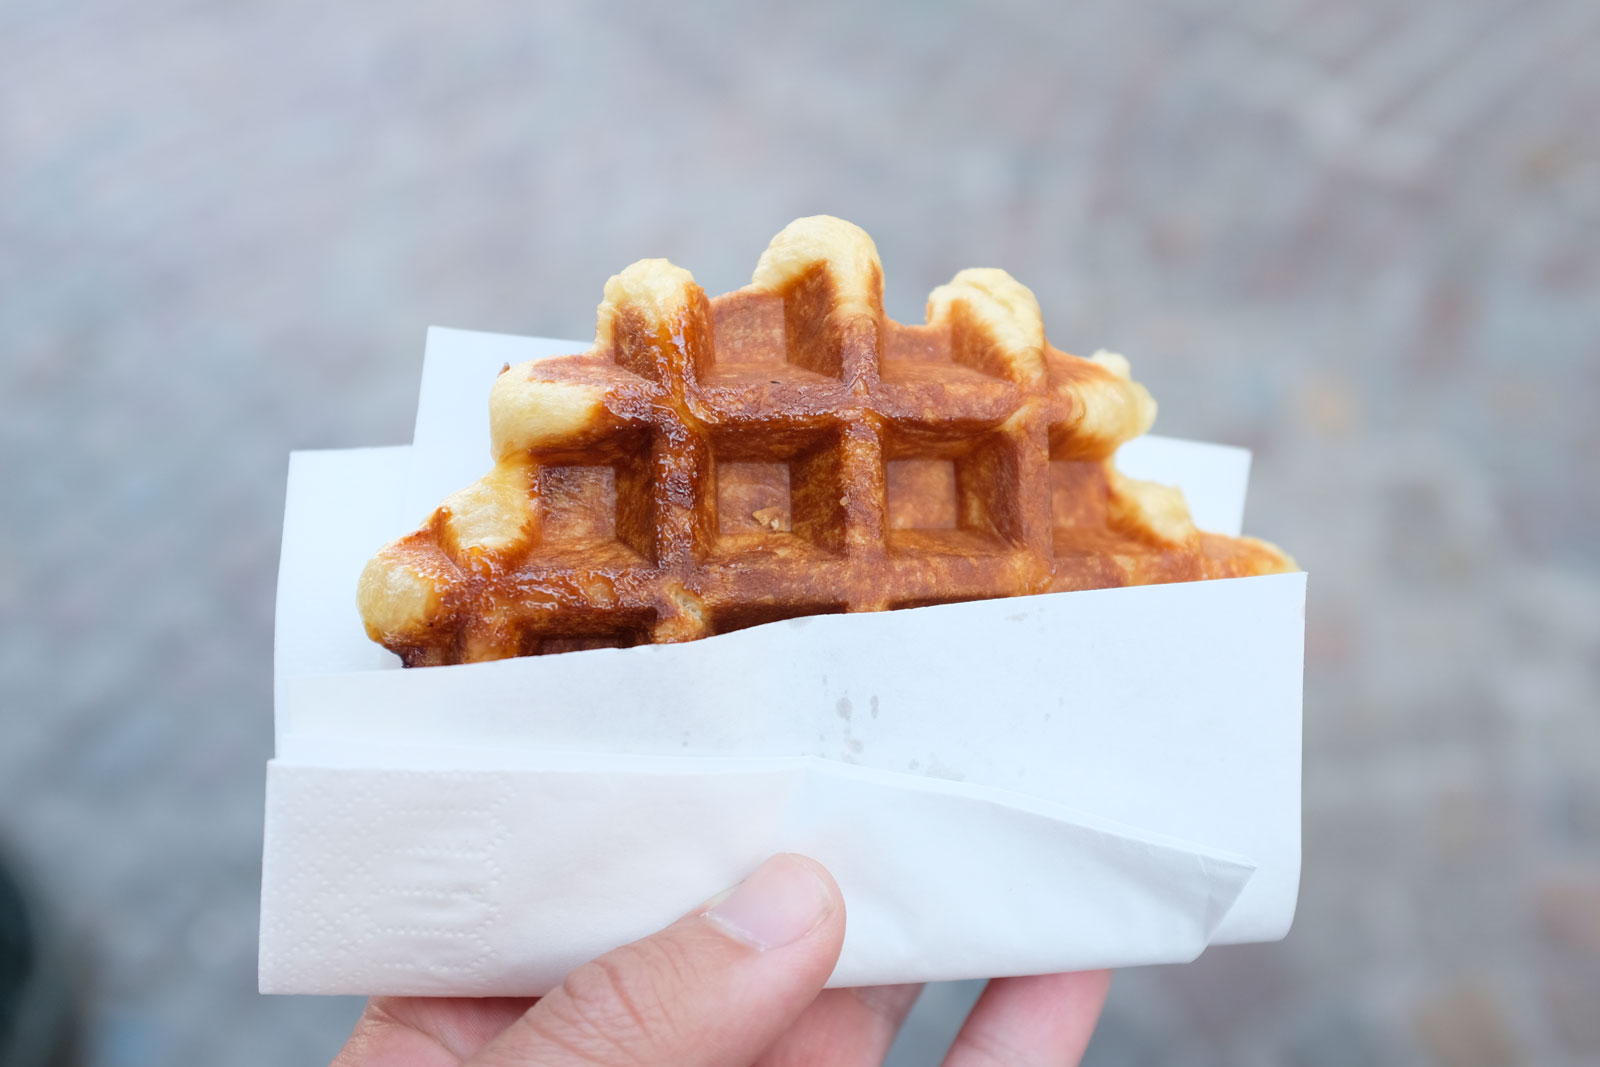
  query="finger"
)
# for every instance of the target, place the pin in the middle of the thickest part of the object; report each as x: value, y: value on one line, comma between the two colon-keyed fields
x: 712, y: 990
x: 844, y: 1028
x: 1023, y: 1022
x: 427, y: 1031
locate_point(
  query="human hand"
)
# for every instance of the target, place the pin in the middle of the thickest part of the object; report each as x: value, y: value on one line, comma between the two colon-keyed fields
x: 737, y: 981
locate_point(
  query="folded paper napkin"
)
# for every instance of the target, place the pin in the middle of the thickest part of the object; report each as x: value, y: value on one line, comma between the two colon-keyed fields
x: 1002, y: 787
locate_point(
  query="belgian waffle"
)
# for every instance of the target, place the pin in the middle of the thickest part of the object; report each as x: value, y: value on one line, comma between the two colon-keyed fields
x: 786, y: 450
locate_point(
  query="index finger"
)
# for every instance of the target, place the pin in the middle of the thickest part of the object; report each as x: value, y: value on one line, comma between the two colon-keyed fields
x: 1041, y: 1020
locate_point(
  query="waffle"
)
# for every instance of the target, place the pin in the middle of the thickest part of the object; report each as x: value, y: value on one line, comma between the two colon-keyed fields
x: 787, y: 450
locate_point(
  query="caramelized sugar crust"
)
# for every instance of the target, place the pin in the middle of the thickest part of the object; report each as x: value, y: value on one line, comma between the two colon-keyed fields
x: 787, y: 450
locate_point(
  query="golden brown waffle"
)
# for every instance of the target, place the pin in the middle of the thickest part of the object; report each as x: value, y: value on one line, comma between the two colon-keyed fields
x: 787, y: 450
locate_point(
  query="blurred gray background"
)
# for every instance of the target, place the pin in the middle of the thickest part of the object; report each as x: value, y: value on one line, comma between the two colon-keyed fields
x: 1360, y: 237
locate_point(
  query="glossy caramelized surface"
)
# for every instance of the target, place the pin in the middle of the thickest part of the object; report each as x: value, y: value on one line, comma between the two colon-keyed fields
x: 787, y: 450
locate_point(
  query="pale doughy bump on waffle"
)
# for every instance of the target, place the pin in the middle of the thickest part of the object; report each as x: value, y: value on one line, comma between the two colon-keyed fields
x: 784, y: 450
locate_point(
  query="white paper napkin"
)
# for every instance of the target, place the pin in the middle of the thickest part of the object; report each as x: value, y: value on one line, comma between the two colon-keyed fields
x: 1001, y: 787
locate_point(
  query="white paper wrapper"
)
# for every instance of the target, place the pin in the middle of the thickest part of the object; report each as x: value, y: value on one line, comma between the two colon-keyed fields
x: 1004, y: 787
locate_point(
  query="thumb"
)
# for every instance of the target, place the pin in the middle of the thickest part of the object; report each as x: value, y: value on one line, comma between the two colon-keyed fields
x: 714, y: 988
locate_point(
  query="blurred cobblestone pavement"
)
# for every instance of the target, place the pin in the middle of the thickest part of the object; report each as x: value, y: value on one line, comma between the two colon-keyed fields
x: 1360, y: 237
